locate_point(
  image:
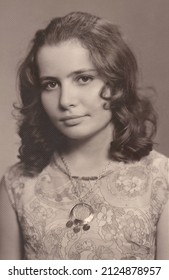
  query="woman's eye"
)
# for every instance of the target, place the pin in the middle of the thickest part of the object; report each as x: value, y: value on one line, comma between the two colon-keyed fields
x: 84, y: 79
x: 50, y: 85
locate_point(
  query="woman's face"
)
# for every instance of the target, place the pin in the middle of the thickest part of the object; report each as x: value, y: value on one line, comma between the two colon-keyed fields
x: 70, y: 90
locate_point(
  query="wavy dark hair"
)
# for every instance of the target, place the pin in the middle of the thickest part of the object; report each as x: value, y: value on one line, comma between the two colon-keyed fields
x: 133, y: 116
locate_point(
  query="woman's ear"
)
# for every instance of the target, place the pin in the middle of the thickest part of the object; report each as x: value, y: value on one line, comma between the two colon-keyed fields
x: 106, y: 92
x: 111, y: 96
x: 106, y: 95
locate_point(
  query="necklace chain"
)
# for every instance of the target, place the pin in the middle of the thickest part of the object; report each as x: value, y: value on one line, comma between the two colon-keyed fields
x: 96, y: 178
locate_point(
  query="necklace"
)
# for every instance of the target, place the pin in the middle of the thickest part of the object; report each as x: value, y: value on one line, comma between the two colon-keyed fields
x: 82, y: 213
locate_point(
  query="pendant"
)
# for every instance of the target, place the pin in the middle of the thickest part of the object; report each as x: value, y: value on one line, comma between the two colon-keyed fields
x: 80, y: 216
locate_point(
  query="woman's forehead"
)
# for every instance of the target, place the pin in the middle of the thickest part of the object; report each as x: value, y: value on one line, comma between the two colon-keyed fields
x: 64, y: 57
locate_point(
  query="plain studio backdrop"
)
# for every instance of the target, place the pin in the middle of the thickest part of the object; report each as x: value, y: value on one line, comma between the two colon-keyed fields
x: 144, y: 23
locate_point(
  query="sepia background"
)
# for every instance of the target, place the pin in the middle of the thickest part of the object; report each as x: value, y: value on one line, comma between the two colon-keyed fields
x: 144, y: 23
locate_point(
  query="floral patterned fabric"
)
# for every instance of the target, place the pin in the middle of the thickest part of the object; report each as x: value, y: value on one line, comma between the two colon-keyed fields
x: 127, y: 202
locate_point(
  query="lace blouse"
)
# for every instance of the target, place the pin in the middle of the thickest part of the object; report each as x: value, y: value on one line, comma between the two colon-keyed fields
x: 127, y: 203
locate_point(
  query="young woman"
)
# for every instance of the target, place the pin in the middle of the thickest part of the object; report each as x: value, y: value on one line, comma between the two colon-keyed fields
x: 88, y: 184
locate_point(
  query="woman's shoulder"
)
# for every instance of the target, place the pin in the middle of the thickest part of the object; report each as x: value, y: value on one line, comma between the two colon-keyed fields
x: 153, y: 162
x: 10, y: 181
x: 154, y: 155
x: 14, y: 172
x: 16, y: 176
x: 159, y: 161
x: 15, y: 180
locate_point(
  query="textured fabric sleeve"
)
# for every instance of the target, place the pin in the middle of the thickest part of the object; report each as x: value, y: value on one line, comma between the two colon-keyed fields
x: 12, y: 183
x: 8, y: 188
x: 160, y: 191
x: 166, y: 176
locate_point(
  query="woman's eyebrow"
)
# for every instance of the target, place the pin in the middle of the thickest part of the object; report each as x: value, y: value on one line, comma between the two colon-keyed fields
x: 43, y: 78
x: 80, y: 71
x: 77, y: 72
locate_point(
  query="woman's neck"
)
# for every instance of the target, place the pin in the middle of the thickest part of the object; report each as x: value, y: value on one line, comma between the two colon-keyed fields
x: 89, y: 156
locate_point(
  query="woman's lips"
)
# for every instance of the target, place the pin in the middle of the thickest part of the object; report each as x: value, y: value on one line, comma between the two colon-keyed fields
x: 72, y: 120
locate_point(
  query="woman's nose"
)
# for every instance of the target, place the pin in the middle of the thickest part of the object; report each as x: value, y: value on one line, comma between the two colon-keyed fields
x: 68, y: 96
